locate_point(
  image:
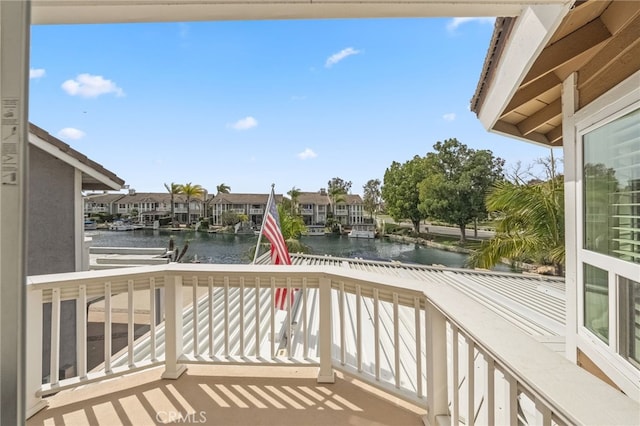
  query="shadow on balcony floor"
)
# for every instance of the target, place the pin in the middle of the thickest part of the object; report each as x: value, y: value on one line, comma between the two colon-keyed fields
x: 227, y: 395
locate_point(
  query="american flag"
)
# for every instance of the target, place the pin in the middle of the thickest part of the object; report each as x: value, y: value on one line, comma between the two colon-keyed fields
x: 279, y: 251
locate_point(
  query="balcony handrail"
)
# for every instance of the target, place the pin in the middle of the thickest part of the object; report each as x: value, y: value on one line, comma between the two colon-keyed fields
x: 560, y: 390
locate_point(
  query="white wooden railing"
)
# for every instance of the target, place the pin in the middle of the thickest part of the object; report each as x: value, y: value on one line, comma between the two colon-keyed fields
x: 426, y: 343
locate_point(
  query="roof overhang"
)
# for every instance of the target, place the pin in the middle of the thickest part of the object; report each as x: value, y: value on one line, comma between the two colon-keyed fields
x: 112, y: 11
x: 519, y: 92
x: 94, y: 176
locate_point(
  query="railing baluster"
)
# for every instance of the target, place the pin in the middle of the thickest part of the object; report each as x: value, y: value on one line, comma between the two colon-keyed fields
x: 107, y: 327
x: 489, y: 397
x: 359, y: 327
x: 471, y: 382
x: 33, y: 380
x: 376, y: 332
x: 396, y: 340
x: 289, y: 317
x: 326, y: 373
x: 81, y: 331
x: 54, y: 365
x: 174, y: 336
x: 273, y: 317
x: 305, y: 321
x: 455, y: 362
x: 241, y: 316
x: 417, y: 333
x: 211, y: 317
x: 436, y: 361
x: 257, y: 301
x: 226, y: 317
x: 543, y: 413
x: 130, y: 320
x: 194, y: 294
x: 343, y: 349
x: 152, y: 317
x: 511, y: 399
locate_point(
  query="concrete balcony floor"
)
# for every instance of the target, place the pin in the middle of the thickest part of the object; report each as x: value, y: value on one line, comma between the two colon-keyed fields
x: 228, y: 395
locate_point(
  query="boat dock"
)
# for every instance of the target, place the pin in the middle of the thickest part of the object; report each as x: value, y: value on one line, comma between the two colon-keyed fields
x: 123, y: 257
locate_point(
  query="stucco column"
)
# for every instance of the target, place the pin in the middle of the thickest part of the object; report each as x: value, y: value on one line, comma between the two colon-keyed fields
x: 14, y: 68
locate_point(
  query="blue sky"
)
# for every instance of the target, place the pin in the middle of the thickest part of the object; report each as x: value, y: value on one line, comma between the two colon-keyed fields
x: 250, y: 103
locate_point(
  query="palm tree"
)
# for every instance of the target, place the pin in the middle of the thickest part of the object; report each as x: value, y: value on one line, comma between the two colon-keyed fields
x: 532, y: 225
x: 173, y: 189
x: 294, y: 193
x: 191, y: 191
x: 336, y: 195
x: 223, y: 188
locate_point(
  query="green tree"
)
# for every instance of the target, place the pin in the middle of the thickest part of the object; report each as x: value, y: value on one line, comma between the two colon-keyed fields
x: 292, y: 226
x: 294, y: 193
x: 530, y: 226
x: 229, y: 218
x: 371, y: 198
x: 173, y: 189
x: 337, y: 182
x: 456, y: 183
x: 191, y: 191
x: 337, y: 189
x: 400, y: 190
x: 223, y: 188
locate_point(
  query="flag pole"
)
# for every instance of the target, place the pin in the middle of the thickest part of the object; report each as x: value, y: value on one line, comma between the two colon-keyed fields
x: 264, y: 216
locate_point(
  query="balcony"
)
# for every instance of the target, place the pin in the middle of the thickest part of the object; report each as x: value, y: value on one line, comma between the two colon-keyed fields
x: 421, y: 347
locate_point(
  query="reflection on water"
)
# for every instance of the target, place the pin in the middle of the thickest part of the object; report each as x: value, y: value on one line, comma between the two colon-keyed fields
x: 230, y: 248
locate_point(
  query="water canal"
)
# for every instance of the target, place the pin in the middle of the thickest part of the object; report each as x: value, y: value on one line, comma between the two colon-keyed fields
x: 230, y: 248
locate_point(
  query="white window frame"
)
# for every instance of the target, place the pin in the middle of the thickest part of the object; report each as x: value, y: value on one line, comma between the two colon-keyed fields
x: 619, y: 101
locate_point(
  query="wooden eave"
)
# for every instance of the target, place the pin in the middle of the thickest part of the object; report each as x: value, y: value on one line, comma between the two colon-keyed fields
x: 598, y: 40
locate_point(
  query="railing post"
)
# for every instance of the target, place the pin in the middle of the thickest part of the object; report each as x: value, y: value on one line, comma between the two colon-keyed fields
x: 436, y: 347
x: 173, y: 327
x: 326, y: 373
x: 33, y: 401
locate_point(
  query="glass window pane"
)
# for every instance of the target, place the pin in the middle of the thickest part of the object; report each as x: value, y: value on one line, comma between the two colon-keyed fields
x: 596, y: 301
x: 611, y: 177
x: 630, y: 320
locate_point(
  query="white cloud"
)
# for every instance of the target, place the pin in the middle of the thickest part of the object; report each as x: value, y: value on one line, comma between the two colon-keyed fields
x: 244, y: 123
x: 306, y: 154
x: 449, y: 117
x: 91, y: 86
x: 456, y: 22
x: 71, y: 133
x: 337, y: 57
x: 37, y: 73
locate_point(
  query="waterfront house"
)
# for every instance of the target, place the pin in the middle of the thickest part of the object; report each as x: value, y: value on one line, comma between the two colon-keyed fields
x: 314, y: 206
x: 250, y: 205
x: 455, y: 337
x: 581, y: 92
x: 144, y: 207
x: 348, y: 210
x: 104, y: 203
